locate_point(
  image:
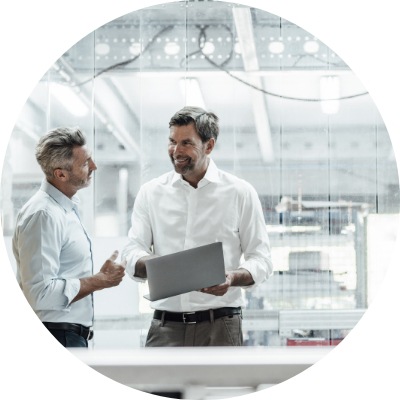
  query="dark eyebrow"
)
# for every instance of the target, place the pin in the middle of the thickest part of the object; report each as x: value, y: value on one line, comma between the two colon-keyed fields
x: 185, y: 140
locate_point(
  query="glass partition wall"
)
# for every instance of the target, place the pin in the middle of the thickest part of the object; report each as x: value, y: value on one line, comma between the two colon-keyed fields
x: 295, y: 122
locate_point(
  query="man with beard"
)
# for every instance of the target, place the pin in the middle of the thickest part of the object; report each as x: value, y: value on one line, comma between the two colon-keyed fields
x: 194, y: 205
x: 52, y: 249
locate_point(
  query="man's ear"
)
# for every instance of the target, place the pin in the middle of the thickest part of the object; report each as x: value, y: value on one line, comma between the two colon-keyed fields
x: 210, y: 145
x: 60, y: 174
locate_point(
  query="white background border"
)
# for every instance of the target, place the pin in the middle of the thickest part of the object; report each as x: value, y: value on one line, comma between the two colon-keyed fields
x: 36, y: 33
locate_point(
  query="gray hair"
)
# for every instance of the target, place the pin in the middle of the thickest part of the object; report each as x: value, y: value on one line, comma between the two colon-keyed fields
x: 205, y: 123
x: 55, y: 149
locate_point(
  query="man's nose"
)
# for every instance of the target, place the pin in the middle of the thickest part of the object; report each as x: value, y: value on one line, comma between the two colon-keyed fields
x: 92, y: 165
x: 177, y: 148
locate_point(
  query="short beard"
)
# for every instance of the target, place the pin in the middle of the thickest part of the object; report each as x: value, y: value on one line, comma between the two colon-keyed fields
x: 80, y: 183
x: 184, y: 170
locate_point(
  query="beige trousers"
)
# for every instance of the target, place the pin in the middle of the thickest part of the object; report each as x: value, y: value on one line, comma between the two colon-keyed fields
x: 225, y: 331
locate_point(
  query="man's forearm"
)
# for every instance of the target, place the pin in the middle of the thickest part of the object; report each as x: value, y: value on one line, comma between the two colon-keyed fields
x: 88, y: 286
x: 241, y: 277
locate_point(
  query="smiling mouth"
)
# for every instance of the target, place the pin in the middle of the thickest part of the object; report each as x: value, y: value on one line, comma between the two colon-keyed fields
x: 181, y: 161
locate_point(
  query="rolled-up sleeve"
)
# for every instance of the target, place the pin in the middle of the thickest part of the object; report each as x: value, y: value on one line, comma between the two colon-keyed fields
x: 254, y: 238
x: 72, y: 287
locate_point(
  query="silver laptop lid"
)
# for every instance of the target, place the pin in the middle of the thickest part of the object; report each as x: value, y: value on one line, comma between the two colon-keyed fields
x: 187, y: 270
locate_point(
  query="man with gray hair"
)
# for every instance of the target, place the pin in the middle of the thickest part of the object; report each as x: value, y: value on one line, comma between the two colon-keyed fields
x: 52, y: 249
x: 194, y: 205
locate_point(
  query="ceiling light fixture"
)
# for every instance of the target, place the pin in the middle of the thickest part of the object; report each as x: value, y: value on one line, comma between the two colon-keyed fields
x: 208, y: 48
x: 102, y: 49
x: 276, y: 47
x: 311, y: 47
x: 172, y: 48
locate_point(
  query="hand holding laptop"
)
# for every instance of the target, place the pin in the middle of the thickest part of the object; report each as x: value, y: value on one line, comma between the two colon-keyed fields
x: 219, y: 290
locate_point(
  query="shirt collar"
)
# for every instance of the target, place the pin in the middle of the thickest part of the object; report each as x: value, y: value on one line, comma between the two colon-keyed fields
x: 211, y: 175
x: 65, y: 202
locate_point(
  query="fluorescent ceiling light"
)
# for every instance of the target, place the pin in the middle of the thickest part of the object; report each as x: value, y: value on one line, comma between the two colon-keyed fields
x: 276, y: 47
x: 172, y: 48
x: 208, y: 48
x: 311, y: 46
x: 102, y: 49
x: 191, y: 91
x: 330, y: 93
x: 69, y: 99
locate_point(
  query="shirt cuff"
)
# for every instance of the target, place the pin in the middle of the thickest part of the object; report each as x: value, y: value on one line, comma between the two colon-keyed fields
x: 71, y: 289
x: 257, y: 270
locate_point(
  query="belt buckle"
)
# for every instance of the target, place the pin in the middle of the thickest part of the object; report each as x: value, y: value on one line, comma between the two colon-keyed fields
x: 184, y: 318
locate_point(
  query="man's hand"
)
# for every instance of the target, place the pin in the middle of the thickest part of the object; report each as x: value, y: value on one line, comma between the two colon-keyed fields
x: 219, y: 290
x: 112, y: 273
x: 140, y: 267
x: 239, y: 277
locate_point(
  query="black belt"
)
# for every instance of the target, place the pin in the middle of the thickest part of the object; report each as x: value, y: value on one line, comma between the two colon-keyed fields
x: 197, y: 316
x: 81, y: 330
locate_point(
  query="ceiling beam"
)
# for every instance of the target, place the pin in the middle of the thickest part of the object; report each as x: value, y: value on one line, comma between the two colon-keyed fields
x: 244, y: 30
x: 111, y: 124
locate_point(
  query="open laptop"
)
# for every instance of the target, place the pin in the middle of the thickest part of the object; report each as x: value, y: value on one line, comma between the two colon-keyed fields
x: 187, y: 270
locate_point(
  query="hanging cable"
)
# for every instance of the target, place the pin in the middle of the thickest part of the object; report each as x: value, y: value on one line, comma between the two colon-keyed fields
x: 202, y: 39
x: 127, y: 62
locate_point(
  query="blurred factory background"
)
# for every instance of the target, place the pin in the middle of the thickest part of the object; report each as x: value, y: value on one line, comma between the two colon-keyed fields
x: 295, y: 122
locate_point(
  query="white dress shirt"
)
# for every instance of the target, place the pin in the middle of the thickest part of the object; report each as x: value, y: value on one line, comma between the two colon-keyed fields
x: 52, y: 251
x: 169, y: 215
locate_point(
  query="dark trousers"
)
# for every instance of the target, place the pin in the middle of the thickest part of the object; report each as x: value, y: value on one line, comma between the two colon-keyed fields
x: 68, y: 338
